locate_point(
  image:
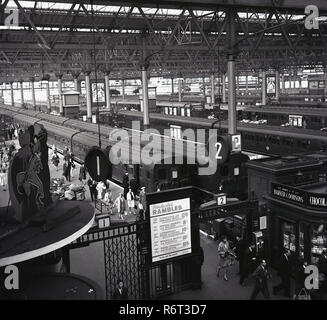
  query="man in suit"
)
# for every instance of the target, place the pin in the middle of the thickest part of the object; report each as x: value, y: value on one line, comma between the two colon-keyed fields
x: 285, y: 272
x: 239, y: 248
x: 121, y: 292
x: 121, y: 206
x: 92, y: 186
x: 261, y: 277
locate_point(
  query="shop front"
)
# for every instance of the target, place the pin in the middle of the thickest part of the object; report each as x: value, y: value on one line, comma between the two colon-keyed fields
x: 298, y: 221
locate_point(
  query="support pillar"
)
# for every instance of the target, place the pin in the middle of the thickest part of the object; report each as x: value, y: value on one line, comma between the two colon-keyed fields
x: 246, y: 85
x: 21, y: 93
x: 204, y: 86
x: 231, y: 94
x: 12, y: 99
x: 283, y: 83
x: 212, y: 89
x: 33, y: 93
x: 180, y: 90
x: 145, y: 96
x: 123, y: 88
x: 172, y: 86
x: 238, y: 85
x: 88, y: 96
x: 107, y: 90
x: 77, y: 83
x: 224, y: 88
x: 263, y: 88
x: 277, y: 85
x: 59, y: 81
x: 325, y: 83
x: 231, y: 58
x: 47, y: 89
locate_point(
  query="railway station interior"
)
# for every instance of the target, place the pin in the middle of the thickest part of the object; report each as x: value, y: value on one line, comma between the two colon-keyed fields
x: 174, y: 150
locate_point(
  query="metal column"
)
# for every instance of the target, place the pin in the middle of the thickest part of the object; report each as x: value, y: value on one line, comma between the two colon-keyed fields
x: 204, y: 86
x: 47, y: 89
x: 231, y: 95
x: 224, y: 88
x: 107, y: 89
x: 172, y: 86
x: 145, y: 96
x: 33, y: 94
x: 231, y: 57
x: 12, y: 101
x: 283, y: 83
x: 88, y: 97
x: 61, y: 108
x: 123, y: 89
x: 277, y: 84
x: 263, y: 88
x: 21, y: 93
x: 180, y: 90
x: 212, y: 89
x: 246, y: 84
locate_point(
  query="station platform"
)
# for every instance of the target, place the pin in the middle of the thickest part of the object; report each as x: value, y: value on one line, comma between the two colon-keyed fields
x: 213, y: 288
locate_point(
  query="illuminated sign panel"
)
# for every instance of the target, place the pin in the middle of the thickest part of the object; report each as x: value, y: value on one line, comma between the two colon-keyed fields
x: 170, y: 225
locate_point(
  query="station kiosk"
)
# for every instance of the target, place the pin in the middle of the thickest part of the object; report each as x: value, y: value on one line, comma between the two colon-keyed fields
x: 152, y: 97
x: 71, y: 104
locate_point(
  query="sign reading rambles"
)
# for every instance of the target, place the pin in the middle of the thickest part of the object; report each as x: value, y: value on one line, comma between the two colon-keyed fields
x: 170, y: 224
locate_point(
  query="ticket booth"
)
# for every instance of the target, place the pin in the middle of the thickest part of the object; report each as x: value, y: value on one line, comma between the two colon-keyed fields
x: 71, y: 104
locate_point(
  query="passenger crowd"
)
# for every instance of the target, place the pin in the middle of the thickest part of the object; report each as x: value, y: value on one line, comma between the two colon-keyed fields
x: 6, y: 154
x: 251, y: 264
x: 130, y: 201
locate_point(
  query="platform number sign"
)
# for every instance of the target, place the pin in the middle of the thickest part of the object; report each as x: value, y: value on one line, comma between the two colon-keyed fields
x: 98, y: 164
x: 220, y: 147
x: 221, y: 199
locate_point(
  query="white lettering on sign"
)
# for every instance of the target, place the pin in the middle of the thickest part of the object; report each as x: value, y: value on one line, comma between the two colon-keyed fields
x: 288, y: 195
x: 98, y: 165
x: 316, y: 201
x: 219, y: 146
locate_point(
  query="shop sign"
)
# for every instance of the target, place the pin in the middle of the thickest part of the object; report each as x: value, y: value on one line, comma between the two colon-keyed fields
x: 300, y: 197
x: 288, y: 193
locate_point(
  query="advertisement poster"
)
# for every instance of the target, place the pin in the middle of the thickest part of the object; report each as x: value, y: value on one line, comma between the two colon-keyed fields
x: 99, y: 89
x: 271, y: 85
x: 170, y: 224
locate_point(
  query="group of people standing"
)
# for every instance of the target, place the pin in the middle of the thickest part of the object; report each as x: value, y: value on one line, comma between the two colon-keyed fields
x: 6, y: 154
x: 68, y: 166
x: 287, y: 268
x: 130, y: 201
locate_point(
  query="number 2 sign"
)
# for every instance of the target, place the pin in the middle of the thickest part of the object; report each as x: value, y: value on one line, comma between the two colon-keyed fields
x: 221, y: 148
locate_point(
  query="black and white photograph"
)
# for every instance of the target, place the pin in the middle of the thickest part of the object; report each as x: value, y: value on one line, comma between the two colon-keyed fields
x: 167, y: 152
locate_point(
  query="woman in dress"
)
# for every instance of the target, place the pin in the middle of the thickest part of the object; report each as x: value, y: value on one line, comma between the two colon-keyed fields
x: 223, y: 257
x: 55, y: 160
x: 108, y: 200
x: 130, y: 200
x: 101, y: 188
